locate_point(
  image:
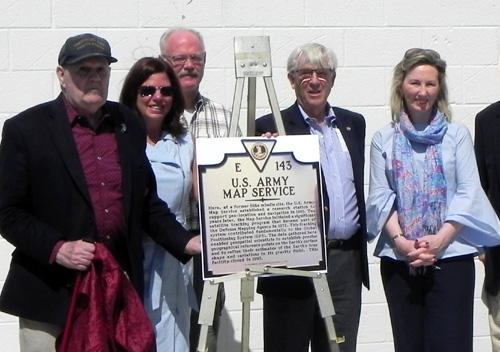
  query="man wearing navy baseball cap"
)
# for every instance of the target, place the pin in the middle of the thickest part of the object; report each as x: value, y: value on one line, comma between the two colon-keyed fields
x: 83, y: 74
x: 74, y: 177
x: 84, y: 46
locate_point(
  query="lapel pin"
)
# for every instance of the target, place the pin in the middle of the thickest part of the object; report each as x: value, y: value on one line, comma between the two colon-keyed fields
x: 123, y: 128
x: 348, y: 128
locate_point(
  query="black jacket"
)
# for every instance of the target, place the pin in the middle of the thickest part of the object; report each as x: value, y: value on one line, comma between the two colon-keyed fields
x: 352, y: 127
x: 487, y: 147
x: 44, y: 199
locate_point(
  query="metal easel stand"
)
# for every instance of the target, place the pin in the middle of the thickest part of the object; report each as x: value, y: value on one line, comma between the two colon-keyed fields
x: 209, y: 298
x: 253, y: 59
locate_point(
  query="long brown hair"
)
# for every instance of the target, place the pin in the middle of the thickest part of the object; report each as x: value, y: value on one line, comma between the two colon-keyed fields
x: 138, y: 74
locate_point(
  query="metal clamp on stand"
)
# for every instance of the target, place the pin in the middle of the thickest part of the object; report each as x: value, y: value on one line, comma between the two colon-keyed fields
x: 252, y: 59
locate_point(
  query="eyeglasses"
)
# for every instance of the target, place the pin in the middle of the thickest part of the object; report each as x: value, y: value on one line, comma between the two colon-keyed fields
x: 148, y: 91
x: 323, y: 74
x: 419, y: 51
x: 180, y: 60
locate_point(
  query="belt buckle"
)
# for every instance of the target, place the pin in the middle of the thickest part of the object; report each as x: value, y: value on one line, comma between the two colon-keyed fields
x: 335, y: 244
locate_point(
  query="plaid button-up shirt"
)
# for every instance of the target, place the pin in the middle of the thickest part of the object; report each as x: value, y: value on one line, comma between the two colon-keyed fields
x: 210, y: 120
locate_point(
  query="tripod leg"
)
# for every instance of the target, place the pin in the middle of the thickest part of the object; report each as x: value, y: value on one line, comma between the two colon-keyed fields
x: 247, y: 295
x: 273, y: 101
x: 235, y: 112
x: 251, y: 105
x: 207, y: 309
x: 327, y: 310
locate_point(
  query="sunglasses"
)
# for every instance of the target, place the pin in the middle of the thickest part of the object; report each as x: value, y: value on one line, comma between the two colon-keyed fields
x: 148, y: 91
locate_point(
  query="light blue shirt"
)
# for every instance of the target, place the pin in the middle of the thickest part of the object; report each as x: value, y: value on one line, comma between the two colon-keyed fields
x: 168, y: 291
x: 467, y: 203
x: 336, y: 164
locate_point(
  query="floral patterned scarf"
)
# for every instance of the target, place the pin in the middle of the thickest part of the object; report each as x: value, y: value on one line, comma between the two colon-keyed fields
x: 421, y: 210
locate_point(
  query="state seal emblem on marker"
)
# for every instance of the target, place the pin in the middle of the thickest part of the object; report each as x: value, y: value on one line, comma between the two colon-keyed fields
x: 259, y: 151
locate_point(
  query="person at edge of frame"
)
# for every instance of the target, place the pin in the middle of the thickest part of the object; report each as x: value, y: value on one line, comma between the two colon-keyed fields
x: 72, y: 170
x: 487, y: 129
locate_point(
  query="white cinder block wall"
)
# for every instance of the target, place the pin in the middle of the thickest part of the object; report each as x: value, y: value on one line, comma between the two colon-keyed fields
x: 369, y: 38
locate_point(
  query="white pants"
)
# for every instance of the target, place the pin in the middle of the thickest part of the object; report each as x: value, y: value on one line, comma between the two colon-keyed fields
x: 35, y: 336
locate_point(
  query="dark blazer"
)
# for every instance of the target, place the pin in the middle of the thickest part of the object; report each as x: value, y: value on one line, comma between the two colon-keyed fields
x: 487, y: 147
x: 352, y: 127
x: 44, y: 199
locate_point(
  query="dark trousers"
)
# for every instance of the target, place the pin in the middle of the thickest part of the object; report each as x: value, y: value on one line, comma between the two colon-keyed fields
x: 291, y: 324
x: 433, y: 311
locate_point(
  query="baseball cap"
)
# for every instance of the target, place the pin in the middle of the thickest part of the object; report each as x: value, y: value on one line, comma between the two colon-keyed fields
x: 83, y: 46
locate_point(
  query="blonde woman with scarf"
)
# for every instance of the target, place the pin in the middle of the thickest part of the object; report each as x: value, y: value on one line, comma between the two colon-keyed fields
x: 428, y: 209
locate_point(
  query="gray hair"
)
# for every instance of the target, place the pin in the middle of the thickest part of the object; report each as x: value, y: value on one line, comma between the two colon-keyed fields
x: 314, y: 54
x: 413, y: 58
x: 171, y: 31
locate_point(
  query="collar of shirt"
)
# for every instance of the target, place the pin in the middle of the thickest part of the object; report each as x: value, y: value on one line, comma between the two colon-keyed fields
x: 329, y: 117
x: 74, y: 117
x: 199, y: 102
x: 189, y: 115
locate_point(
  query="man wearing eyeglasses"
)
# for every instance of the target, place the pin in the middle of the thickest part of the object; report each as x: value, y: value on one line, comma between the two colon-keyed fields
x: 184, y: 49
x: 292, y: 320
x: 74, y: 173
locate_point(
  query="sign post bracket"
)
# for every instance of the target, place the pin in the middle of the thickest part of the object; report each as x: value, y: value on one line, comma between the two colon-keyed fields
x: 252, y: 58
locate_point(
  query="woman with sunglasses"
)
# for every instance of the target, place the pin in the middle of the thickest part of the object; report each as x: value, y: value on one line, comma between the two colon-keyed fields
x: 152, y: 89
x: 427, y: 206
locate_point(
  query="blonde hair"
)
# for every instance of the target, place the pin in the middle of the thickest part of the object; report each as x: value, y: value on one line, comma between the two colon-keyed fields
x: 413, y: 58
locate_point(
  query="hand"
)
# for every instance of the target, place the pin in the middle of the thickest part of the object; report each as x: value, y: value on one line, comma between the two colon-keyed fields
x: 434, y: 243
x: 417, y: 253
x: 193, y: 246
x: 76, y: 255
x: 269, y: 135
x: 404, y: 245
x: 422, y: 255
x: 482, y: 257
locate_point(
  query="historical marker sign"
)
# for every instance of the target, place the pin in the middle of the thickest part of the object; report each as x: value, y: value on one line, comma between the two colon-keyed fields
x: 260, y: 203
